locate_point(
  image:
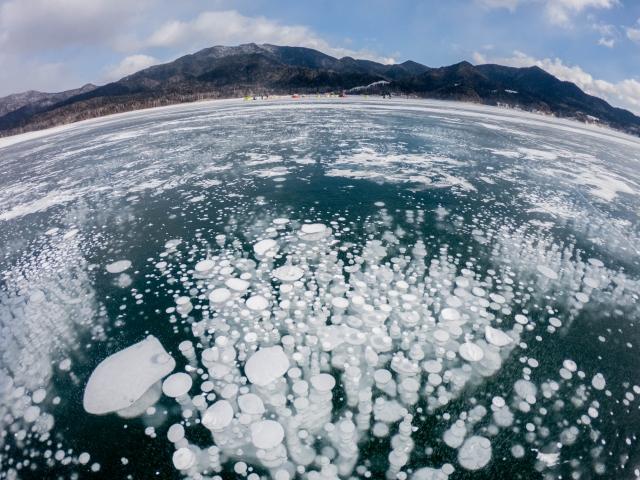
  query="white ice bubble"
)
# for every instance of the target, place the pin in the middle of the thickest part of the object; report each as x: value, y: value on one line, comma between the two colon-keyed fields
x: 313, y: 228
x: 521, y: 319
x: 288, y: 273
x: 177, y: 384
x: 219, y: 295
x: 450, y: 314
x: 323, y: 382
x: 264, y: 246
x: 251, y: 403
x: 266, y: 365
x: 547, y: 272
x: 218, y: 416
x: 237, y: 284
x: 183, y: 458
x: 475, y: 453
x: 257, y: 303
x: 122, y: 378
x: 497, y: 337
x: 204, y: 266
x: 175, y: 433
x: 266, y: 434
x: 598, y: 381
x: 549, y: 459
x: 119, y: 266
x: 471, y: 352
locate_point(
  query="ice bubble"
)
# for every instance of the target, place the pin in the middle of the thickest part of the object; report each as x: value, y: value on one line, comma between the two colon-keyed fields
x: 521, y: 319
x: 454, y: 436
x: 177, y: 385
x: 122, y: 378
x: 313, y: 228
x: 428, y: 473
x: 340, y: 302
x: 547, y: 272
x: 140, y: 406
x: 441, y: 336
x: 266, y: 434
x: 570, y: 365
x: 549, y: 459
x: 218, y: 416
x: 517, y: 451
x: 432, y: 366
x: 314, y: 231
x: 595, y: 262
x: 257, y: 303
x: 251, y: 403
x: 450, y: 314
x: 219, y: 295
x: 204, y: 266
x: 173, y: 243
x: 471, y: 352
x: 497, y: 337
x: 175, y: 433
x: 323, y: 382
x: 184, y: 458
x: 119, y: 266
x: 475, y: 453
x: 388, y: 411
x: 39, y: 395
x: 266, y: 365
x: 582, y: 297
x: 237, y: 284
x: 288, y: 273
x: 598, y: 382
x: 263, y: 246
x: 31, y: 414
x: 525, y: 389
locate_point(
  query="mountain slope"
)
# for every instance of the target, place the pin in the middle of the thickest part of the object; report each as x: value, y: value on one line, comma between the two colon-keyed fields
x: 37, y: 99
x: 250, y: 69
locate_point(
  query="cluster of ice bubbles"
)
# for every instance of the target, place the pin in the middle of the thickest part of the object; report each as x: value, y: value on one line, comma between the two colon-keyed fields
x: 305, y: 347
x: 46, y: 300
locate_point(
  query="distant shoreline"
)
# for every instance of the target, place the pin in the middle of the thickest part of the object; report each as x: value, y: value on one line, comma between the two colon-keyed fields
x: 281, y: 101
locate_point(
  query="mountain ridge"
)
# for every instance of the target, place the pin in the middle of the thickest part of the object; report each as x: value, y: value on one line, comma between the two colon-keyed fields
x: 251, y: 69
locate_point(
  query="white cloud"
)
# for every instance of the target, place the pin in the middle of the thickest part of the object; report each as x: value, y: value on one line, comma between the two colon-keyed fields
x: 510, y: 5
x: 609, y: 34
x: 633, y: 34
x: 558, y: 12
x: 625, y: 94
x: 33, y: 29
x: 229, y: 27
x: 32, y: 25
x: 606, y: 42
x: 129, y: 65
x: 34, y: 75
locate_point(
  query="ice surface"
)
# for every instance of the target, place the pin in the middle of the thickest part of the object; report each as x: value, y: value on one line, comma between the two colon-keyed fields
x: 309, y: 323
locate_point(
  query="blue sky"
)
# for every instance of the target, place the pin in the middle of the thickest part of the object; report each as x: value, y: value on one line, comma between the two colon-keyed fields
x: 53, y: 45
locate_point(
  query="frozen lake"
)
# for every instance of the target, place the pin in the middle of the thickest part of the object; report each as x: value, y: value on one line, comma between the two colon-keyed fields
x: 320, y: 289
